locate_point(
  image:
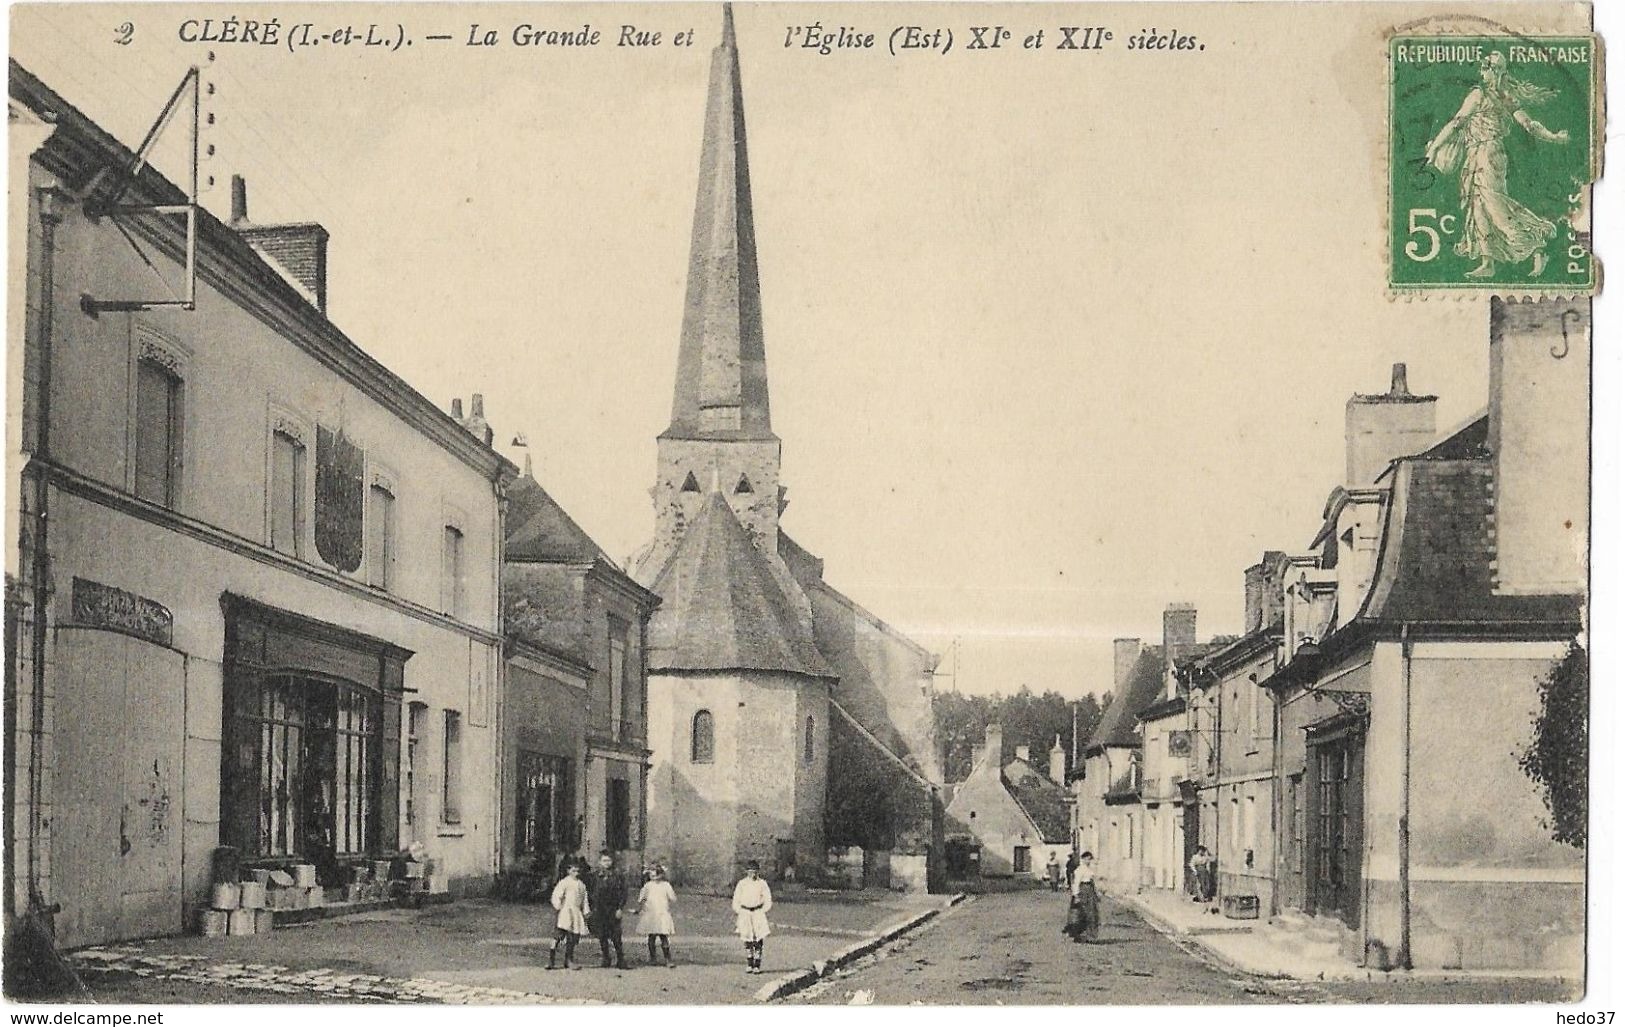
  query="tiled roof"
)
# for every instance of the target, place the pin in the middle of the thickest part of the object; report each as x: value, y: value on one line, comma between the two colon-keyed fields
x: 1041, y: 799
x: 539, y: 531
x: 1118, y: 726
x: 724, y: 608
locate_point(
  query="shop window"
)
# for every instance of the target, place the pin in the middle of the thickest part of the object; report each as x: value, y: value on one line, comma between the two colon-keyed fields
x: 546, y: 796
x: 451, y: 804
x: 702, y: 742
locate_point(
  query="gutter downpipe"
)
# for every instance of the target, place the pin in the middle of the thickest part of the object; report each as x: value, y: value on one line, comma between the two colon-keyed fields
x: 49, y: 217
x: 1405, y: 656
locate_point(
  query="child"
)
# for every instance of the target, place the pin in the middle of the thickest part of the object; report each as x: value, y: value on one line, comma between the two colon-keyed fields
x: 570, y: 899
x: 752, y: 900
x: 655, y: 901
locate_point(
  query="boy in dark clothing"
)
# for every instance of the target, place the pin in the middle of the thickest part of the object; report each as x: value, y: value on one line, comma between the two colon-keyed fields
x: 608, y: 898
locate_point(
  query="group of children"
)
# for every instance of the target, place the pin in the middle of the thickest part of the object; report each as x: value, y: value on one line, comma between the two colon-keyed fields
x: 596, y: 906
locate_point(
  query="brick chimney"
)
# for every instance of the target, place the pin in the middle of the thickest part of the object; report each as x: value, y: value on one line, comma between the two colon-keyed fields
x: 475, y: 423
x: 1125, y: 653
x: 1178, y: 628
x: 1262, y: 582
x: 1383, y: 428
x: 299, y: 249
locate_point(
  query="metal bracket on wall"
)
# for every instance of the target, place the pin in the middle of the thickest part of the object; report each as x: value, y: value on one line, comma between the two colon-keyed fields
x: 116, y: 211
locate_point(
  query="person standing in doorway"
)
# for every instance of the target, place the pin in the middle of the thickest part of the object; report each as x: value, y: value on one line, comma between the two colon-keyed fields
x: 752, y: 899
x: 570, y: 899
x: 608, y: 903
x: 655, y: 902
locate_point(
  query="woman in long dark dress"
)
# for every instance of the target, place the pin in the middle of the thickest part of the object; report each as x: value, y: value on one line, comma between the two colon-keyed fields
x: 1083, y: 913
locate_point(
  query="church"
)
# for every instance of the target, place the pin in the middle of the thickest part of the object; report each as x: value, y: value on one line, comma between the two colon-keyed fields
x: 784, y: 718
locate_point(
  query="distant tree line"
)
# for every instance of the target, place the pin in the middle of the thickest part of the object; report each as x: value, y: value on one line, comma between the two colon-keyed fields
x: 1028, y: 719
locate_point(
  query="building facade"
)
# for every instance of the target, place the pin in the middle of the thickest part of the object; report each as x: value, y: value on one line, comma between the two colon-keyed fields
x: 260, y: 571
x: 1011, y: 812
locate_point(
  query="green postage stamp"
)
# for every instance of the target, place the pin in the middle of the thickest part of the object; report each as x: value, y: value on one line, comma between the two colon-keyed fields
x: 1490, y: 163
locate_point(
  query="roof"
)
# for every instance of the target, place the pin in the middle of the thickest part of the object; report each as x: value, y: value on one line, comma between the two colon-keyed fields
x: 724, y: 608
x: 1119, y: 724
x: 1044, y: 801
x: 539, y: 531
x: 80, y: 146
x: 721, y: 364
x: 1437, y: 561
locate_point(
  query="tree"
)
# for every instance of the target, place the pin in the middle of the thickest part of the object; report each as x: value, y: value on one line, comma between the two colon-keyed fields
x: 1557, y: 756
x: 1028, y: 719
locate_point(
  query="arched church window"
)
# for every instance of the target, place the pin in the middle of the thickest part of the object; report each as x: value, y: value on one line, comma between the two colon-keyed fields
x: 807, y: 750
x: 702, y: 746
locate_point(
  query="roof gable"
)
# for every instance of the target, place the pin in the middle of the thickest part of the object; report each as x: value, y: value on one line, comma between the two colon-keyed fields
x: 539, y: 531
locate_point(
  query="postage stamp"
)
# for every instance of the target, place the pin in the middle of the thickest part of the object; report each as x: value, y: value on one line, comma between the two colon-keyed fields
x: 1491, y: 156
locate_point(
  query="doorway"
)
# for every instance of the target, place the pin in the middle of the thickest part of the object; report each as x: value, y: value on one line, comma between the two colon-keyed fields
x: 1337, y: 766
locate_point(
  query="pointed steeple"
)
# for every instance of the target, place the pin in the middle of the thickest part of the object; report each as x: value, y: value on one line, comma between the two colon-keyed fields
x: 721, y: 388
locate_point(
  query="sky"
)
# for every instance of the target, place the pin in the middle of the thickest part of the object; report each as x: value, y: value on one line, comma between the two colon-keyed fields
x: 1053, y: 339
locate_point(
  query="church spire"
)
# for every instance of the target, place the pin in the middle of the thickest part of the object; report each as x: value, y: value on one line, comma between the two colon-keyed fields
x: 721, y: 390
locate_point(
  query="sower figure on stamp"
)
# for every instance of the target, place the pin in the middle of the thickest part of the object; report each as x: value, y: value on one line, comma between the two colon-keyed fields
x: 608, y: 902
x: 570, y: 899
x: 752, y: 899
x: 1494, y: 226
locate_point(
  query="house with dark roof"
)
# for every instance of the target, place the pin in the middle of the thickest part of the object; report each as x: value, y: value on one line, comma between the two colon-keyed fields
x: 785, y: 718
x: 1412, y: 660
x: 574, y: 745
x: 1011, y: 812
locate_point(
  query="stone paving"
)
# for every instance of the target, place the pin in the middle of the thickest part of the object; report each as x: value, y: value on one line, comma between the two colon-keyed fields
x: 317, y: 984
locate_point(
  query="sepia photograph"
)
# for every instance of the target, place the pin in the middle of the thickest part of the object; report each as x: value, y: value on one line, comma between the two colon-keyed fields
x: 799, y: 504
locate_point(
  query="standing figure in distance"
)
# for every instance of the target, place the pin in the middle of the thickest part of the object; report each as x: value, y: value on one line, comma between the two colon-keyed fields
x: 1052, y: 871
x: 570, y: 899
x: 608, y: 902
x: 655, y: 902
x: 1083, y: 914
x: 752, y: 899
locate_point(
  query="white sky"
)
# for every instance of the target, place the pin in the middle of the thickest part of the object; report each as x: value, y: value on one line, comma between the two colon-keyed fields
x: 1053, y: 339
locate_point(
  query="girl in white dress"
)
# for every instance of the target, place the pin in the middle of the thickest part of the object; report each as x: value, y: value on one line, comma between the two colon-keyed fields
x: 752, y: 899
x: 570, y: 899
x: 655, y: 903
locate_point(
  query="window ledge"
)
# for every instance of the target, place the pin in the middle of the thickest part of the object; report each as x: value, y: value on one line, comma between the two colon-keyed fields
x: 451, y: 831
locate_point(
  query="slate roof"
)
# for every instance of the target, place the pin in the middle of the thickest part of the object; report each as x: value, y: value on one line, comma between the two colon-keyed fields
x: 1437, y: 562
x: 539, y: 531
x: 723, y: 607
x: 1044, y: 801
x: 1119, y: 724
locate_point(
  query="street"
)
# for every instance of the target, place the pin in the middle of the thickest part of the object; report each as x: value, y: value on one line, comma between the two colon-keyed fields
x: 1008, y: 949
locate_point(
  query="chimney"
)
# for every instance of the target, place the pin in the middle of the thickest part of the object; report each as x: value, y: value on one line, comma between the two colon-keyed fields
x: 1383, y: 428
x: 1125, y: 653
x: 475, y: 423
x: 1024, y: 753
x: 1178, y: 628
x: 1057, y: 762
x: 298, y: 249
x: 457, y: 409
x: 239, y: 201
x: 995, y: 745
x: 1263, y: 587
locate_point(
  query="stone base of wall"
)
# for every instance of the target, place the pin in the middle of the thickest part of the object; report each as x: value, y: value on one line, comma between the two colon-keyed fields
x: 1483, y: 925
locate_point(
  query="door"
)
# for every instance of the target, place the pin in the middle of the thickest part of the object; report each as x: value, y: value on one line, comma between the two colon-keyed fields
x: 1338, y: 766
x: 116, y: 830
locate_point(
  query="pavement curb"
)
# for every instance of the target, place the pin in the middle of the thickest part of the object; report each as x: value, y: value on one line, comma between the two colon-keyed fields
x: 791, y: 983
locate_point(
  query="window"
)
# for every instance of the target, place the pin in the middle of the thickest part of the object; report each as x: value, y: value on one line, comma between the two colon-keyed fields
x: 315, y: 741
x: 380, y: 536
x: 287, y: 493
x: 617, y: 679
x: 807, y: 744
x: 157, y: 433
x: 1255, y: 711
x: 451, y: 806
x: 417, y: 725
x: 1023, y: 859
x: 702, y: 743
x: 546, y: 806
x: 618, y: 815
x: 451, y: 571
